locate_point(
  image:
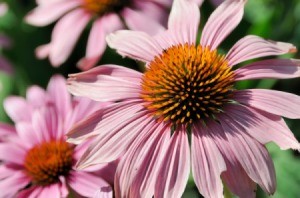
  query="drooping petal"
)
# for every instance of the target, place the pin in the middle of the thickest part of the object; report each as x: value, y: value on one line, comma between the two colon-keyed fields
x: 252, y: 155
x: 116, y: 142
x: 86, y: 184
x: 17, y: 108
x: 135, y: 20
x: 275, y: 102
x: 46, y: 14
x: 96, y: 42
x: 137, y: 171
x: 207, y: 163
x: 251, y: 47
x: 264, y: 127
x: 175, y: 167
x: 273, y: 68
x: 43, y: 51
x: 184, y: 21
x: 62, y: 45
x: 58, y: 93
x: 106, y: 83
x: 221, y: 22
x: 50, y: 191
x: 235, y: 176
x: 136, y: 45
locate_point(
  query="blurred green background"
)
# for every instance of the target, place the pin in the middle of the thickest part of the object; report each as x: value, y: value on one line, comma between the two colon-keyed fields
x: 273, y: 19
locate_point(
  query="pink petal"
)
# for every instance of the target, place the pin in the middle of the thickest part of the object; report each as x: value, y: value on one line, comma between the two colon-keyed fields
x: 135, y: 20
x: 136, y: 45
x: 61, y: 98
x: 87, y: 184
x: 235, y: 176
x: 207, y: 163
x: 221, y: 23
x: 96, y: 42
x: 13, y: 153
x: 184, y: 21
x: 113, y: 142
x: 106, y: 83
x: 275, y: 102
x: 65, y: 35
x: 17, y: 108
x: 252, y: 155
x: 175, y: 167
x: 43, y: 51
x: 137, y: 171
x: 47, y: 125
x: 251, y: 47
x: 50, y: 191
x: 264, y: 127
x: 48, y: 13
x: 273, y: 68
x: 101, y: 121
x: 6, y: 130
x: 27, y: 134
x: 11, y: 185
x: 36, y: 96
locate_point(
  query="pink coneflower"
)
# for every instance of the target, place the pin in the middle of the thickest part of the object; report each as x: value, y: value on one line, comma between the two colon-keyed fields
x: 107, y: 16
x: 36, y: 160
x: 187, y: 92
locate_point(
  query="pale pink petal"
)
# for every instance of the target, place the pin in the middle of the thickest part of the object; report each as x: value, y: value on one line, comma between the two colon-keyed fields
x: 175, y: 167
x: 27, y: 134
x: 101, y: 121
x: 251, y: 47
x: 252, y: 155
x: 114, y: 141
x: 6, y: 130
x: 275, y: 102
x: 221, y: 23
x: 43, y: 51
x: 235, y: 177
x: 47, y: 124
x: 135, y: 20
x: 105, y: 192
x: 17, y: 108
x: 166, y: 3
x: 48, y: 13
x: 273, y: 68
x: 57, y: 90
x: 137, y: 171
x: 36, y: 96
x: 15, y: 155
x: 96, y: 43
x: 106, y: 83
x: 207, y: 163
x: 136, y: 45
x: 62, y: 45
x: 184, y: 21
x: 263, y: 126
x: 87, y: 184
x: 50, y: 191
x: 11, y: 185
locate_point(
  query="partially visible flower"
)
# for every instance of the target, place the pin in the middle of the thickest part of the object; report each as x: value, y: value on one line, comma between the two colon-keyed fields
x: 107, y: 16
x: 36, y: 160
x: 186, y: 96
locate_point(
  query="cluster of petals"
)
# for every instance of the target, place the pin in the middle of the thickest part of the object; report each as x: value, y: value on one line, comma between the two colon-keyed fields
x: 156, y: 158
x: 42, y: 117
x: 73, y: 17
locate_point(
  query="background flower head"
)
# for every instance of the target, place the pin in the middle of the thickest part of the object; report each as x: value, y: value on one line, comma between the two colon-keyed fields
x: 36, y: 159
x: 188, y: 89
x: 106, y: 16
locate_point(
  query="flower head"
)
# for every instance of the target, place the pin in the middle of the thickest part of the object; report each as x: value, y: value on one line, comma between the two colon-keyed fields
x: 107, y: 16
x: 36, y: 159
x: 188, y: 90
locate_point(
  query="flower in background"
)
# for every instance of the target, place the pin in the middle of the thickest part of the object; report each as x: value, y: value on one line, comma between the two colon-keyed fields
x: 187, y: 91
x: 36, y: 160
x: 107, y: 16
x: 5, y: 65
x: 3, y: 9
